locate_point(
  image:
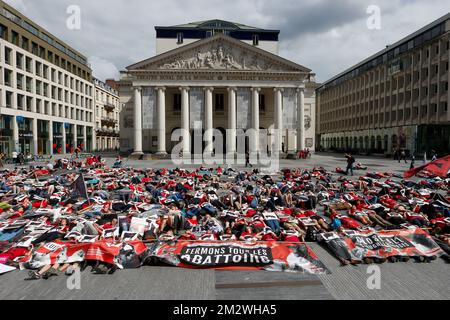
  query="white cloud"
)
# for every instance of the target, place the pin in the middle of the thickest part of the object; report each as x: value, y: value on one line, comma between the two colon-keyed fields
x: 103, y: 69
x: 326, y: 36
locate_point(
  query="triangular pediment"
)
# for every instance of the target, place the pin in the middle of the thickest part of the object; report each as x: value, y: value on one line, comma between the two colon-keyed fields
x: 219, y: 53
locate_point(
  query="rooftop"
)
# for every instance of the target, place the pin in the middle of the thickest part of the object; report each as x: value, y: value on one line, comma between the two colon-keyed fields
x: 389, y: 48
x: 215, y: 24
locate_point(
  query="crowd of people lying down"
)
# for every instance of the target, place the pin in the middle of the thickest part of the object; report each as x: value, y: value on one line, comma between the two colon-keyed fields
x: 41, y: 205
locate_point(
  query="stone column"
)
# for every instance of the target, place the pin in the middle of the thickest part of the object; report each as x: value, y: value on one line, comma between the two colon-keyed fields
x: 185, y: 120
x: 231, y: 133
x: 50, y: 136
x: 75, y: 138
x: 137, y: 122
x: 209, y: 120
x: 255, y: 116
x: 35, y: 136
x: 161, y: 121
x: 64, y: 138
x: 300, y: 119
x: 15, y: 134
x: 94, y: 140
x: 85, y: 138
x: 278, y: 103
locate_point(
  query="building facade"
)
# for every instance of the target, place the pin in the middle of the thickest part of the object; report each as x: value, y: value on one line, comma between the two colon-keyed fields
x: 217, y: 82
x: 107, y: 116
x: 46, y: 90
x: 395, y: 99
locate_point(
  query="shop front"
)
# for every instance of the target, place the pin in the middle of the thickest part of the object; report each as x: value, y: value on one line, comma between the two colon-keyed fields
x: 58, y: 138
x: 25, y: 135
x: 6, y: 135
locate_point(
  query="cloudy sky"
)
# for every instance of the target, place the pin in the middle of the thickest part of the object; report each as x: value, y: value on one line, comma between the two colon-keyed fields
x: 326, y: 36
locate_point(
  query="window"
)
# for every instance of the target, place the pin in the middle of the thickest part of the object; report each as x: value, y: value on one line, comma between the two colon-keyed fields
x: 28, y: 63
x: 28, y: 84
x: 8, y: 55
x: 19, y: 60
x: 255, y: 40
x: 25, y: 43
x: 8, y: 99
x: 34, y: 48
x: 19, y: 81
x: 180, y: 37
x: 220, y: 106
x: 209, y: 33
x: 15, y: 38
x: 3, y: 31
x: 7, y: 77
x: 41, y: 52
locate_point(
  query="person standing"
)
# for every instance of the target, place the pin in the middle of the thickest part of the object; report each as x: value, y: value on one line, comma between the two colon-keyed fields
x: 350, y: 161
x: 247, y: 159
x: 402, y: 156
x: 395, y: 152
x: 15, y: 156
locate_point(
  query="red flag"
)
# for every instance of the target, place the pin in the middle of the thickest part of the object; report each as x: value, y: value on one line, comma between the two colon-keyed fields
x: 439, y: 167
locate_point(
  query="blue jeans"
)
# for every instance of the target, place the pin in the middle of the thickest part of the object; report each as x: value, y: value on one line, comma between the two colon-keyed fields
x: 274, y: 225
x: 349, y: 168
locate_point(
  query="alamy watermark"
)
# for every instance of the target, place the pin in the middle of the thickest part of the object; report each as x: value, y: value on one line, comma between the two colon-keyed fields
x: 73, y: 21
x: 374, y: 280
x: 374, y: 20
x: 234, y: 147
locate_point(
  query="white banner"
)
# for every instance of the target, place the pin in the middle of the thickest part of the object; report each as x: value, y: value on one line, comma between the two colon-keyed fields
x: 244, y: 116
x: 197, y: 107
x: 149, y: 108
x: 289, y: 109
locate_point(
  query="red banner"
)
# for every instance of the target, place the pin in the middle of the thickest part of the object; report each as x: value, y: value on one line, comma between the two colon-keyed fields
x: 118, y: 253
x: 271, y: 256
x: 439, y: 167
x: 357, y: 245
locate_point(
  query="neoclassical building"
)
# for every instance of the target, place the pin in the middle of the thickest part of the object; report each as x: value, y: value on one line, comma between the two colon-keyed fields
x: 215, y: 74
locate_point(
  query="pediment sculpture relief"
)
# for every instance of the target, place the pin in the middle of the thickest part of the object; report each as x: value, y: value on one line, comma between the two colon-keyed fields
x: 221, y: 57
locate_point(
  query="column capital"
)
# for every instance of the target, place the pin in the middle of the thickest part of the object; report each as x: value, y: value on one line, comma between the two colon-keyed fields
x: 231, y: 89
x: 208, y: 89
x: 160, y: 88
x: 278, y: 89
x: 256, y: 89
x: 300, y: 89
x: 138, y: 88
x: 184, y: 88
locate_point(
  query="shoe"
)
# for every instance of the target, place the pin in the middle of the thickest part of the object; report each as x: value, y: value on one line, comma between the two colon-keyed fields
x: 345, y: 263
x: 112, y: 270
x: 355, y: 262
x: 368, y: 260
x: 33, y: 275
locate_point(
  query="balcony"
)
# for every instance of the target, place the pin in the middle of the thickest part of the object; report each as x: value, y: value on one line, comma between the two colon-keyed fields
x: 109, y: 106
x: 107, y: 132
x: 109, y: 121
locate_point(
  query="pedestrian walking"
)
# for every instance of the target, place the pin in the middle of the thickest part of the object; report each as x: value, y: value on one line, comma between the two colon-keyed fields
x: 247, y: 159
x: 15, y: 157
x: 402, y: 156
x: 350, y: 161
